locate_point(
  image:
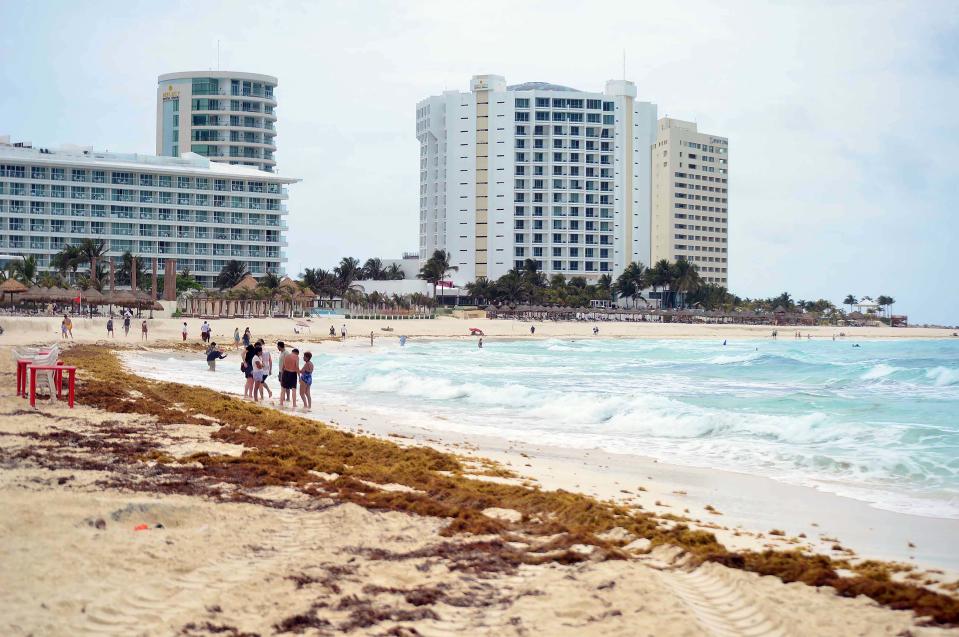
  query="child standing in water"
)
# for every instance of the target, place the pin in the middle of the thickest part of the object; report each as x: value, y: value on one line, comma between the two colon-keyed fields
x: 306, y: 381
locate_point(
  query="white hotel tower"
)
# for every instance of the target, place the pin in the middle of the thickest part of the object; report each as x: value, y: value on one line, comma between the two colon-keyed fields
x: 223, y: 115
x: 535, y: 171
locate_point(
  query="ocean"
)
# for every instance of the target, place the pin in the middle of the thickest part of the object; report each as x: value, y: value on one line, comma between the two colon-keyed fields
x: 878, y: 423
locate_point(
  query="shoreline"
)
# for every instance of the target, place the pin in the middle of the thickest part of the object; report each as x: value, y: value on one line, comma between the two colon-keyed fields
x: 747, y: 505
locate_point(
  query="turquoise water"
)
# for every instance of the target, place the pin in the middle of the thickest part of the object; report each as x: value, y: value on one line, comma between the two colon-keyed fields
x: 878, y: 423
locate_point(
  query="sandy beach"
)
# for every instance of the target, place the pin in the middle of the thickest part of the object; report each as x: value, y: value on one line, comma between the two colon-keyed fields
x: 229, y: 552
x: 163, y: 330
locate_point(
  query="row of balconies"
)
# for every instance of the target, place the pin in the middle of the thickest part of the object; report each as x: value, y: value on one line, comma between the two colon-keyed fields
x: 225, y: 185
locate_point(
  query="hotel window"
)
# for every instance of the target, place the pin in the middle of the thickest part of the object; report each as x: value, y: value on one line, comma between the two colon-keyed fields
x: 38, y: 172
x: 542, y: 102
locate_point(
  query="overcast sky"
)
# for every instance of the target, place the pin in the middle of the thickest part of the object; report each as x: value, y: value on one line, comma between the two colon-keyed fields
x: 841, y: 116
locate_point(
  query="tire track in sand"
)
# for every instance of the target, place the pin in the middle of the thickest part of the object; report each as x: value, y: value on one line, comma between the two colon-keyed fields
x: 722, y: 606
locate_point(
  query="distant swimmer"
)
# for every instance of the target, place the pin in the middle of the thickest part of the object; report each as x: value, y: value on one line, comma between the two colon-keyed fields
x: 481, y: 343
x: 402, y: 341
x: 724, y: 342
x: 855, y: 344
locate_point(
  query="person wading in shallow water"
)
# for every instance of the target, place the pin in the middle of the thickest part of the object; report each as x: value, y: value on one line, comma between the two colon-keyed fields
x: 289, y: 372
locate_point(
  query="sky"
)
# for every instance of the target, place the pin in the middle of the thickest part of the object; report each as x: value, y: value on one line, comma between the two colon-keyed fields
x: 841, y: 116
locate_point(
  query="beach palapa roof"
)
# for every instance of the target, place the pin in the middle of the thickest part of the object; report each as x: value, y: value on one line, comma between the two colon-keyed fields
x: 92, y: 295
x: 12, y: 286
x: 35, y: 293
x: 246, y: 283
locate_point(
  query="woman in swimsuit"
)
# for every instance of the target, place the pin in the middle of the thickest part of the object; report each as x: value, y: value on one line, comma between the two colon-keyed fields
x: 306, y: 381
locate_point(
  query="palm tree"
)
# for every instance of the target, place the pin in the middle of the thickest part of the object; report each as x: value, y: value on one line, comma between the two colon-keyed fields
x: 93, y: 249
x: 49, y: 280
x: 481, y: 290
x: 125, y: 272
x: 232, y: 273
x: 686, y: 278
x: 850, y: 300
x: 884, y: 302
x: 395, y: 273
x: 436, y: 268
x: 630, y: 283
x: 510, y: 288
x: 68, y: 258
x: 661, y: 275
x: 604, y: 287
x: 347, y: 272
x: 25, y: 270
x: 785, y: 300
x: 373, y: 270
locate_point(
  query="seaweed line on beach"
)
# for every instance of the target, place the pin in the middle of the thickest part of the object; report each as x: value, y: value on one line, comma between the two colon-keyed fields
x: 287, y: 450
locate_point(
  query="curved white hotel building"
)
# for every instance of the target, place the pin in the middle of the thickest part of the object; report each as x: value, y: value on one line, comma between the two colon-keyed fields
x: 186, y: 208
x: 535, y: 171
x: 225, y: 116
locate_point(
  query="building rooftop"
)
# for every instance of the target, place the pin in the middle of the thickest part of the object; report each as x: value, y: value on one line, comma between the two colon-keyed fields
x: 541, y: 86
x: 188, y: 162
x: 233, y: 75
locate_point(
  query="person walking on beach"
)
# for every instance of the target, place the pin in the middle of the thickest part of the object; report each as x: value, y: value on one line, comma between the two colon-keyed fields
x: 532, y: 330
x: 110, y: 328
x: 343, y: 332
x: 246, y: 337
x: 126, y: 325
x: 481, y: 342
x: 267, y: 359
x: 247, y: 367
x: 306, y: 381
x: 183, y: 331
x: 257, y: 378
x: 595, y: 331
x: 212, y: 356
x: 205, y: 332
x: 332, y: 330
x: 281, y: 354
x: 371, y: 338
x: 236, y: 338
x: 289, y: 372
x: 143, y: 330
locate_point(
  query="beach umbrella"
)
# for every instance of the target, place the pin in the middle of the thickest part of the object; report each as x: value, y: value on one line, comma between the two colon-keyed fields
x: 35, y: 293
x: 11, y: 287
x: 92, y: 296
x: 123, y: 298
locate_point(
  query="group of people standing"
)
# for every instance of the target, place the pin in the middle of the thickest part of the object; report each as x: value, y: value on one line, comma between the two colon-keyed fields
x: 257, y: 367
x: 127, y: 317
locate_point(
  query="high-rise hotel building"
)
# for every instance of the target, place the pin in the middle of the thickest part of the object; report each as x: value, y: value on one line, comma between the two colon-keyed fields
x: 535, y: 171
x: 690, y: 198
x: 225, y: 116
x: 187, y: 208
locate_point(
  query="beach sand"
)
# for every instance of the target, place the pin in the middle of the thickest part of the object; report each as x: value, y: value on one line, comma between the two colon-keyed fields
x: 277, y: 560
x: 20, y: 330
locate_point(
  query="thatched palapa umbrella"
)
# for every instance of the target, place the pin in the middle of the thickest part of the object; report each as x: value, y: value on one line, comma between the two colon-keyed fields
x: 11, y: 287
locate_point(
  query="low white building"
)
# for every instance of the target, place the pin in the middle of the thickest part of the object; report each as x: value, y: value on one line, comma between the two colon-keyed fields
x: 200, y: 213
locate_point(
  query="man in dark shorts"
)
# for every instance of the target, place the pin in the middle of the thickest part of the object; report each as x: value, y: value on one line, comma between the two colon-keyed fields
x: 289, y: 371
